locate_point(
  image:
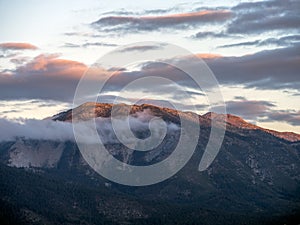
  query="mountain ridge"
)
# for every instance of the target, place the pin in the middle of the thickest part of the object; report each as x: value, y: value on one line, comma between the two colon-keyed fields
x: 91, y: 110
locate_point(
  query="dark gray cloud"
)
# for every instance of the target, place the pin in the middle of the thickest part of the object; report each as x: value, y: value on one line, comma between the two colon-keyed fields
x: 85, y: 34
x: 71, y: 45
x: 124, y: 12
x: 268, y: 16
x: 141, y: 48
x: 151, y: 23
x: 10, y: 111
x: 290, y: 116
x: 159, y: 11
x: 72, y: 33
x: 249, y: 109
x: 239, y: 98
x: 210, y: 34
x: 19, y: 60
x: 89, y: 44
x: 246, y: 43
x: 261, y: 111
x: 244, y: 18
x: 271, y: 69
x: 44, y: 77
x: 151, y: 69
x: 283, y: 41
x: 265, y: 16
x: 121, y: 12
x: 158, y: 102
x: 49, y: 77
x: 292, y: 92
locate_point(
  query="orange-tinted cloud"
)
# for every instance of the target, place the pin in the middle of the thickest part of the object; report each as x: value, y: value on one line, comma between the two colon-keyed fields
x: 185, y: 17
x: 17, y: 46
x: 44, y: 77
x: 51, y: 65
x: 47, y: 77
x: 204, y: 56
x: 208, y: 56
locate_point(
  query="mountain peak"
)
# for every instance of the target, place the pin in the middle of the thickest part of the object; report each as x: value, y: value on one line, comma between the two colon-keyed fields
x: 91, y: 110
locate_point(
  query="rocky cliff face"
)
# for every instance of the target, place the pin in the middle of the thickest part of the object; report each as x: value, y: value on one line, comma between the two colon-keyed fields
x: 42, y: 154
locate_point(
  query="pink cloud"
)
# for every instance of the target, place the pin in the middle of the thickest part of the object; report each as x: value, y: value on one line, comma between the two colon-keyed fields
x: 51, y: 65
x: 17, y: 46
x: 191, y: 16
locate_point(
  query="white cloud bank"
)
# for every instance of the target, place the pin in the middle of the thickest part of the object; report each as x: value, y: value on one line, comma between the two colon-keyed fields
x: 63, y: 131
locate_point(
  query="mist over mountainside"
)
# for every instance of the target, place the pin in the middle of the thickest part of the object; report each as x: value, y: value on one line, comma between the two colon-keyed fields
x: 255, y: 178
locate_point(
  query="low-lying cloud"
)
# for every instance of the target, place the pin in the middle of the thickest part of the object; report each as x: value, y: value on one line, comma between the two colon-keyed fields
x: 32, y: 129
x: 35, y: 129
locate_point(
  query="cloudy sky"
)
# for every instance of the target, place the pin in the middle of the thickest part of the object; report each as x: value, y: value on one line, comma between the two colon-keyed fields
x: 252, y: 48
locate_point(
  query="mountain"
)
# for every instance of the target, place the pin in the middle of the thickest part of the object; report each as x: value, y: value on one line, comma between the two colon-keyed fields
x: 255, y: 178
x: 91, y: 110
